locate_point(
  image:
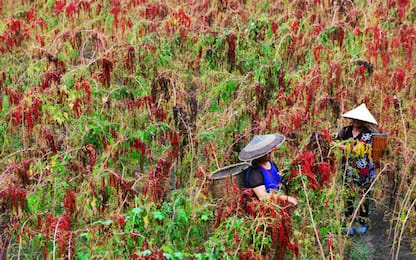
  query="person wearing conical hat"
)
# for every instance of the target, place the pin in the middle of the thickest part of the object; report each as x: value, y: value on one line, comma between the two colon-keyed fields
x: 263, y: 177
x: 357, y: 165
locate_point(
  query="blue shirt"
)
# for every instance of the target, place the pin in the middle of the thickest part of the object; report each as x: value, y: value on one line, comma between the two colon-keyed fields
x: 257, y: 176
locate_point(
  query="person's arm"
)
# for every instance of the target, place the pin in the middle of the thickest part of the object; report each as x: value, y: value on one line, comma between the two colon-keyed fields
x: 289, y: 199
x: 340, y: 137
x: 262, y: 194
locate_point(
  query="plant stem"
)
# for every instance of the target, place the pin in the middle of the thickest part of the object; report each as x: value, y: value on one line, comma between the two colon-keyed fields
x: 54, y: 237
x: 312, y: 220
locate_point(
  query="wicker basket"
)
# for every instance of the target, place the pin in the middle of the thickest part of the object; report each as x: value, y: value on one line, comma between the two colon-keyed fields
x: 221, y: 180
x: 379, y: 144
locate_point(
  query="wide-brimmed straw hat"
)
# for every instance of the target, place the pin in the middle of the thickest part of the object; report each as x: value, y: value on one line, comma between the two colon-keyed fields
x: 261, y: 145
x: 361, y: 113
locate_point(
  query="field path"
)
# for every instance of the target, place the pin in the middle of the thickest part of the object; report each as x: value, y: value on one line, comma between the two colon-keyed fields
x: 375, y: 244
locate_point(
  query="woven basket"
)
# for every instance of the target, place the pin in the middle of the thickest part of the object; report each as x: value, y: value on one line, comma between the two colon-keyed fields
x: 222, y: 180
x: 379, y: 144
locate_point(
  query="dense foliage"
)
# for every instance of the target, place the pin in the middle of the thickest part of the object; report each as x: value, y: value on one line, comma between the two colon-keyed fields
x: 114, y: 114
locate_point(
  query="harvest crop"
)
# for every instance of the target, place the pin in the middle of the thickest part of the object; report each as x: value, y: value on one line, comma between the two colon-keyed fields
x: 114, y: 113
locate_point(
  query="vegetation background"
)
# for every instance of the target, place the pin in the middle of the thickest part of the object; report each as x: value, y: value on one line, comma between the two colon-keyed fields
x: 114, y: 114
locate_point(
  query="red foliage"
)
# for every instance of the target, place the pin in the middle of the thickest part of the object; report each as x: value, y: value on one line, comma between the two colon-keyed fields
x: 144, y: 102
x: 210, y: 151
x: 58, y: 7
x: 317, y: 53
x: 118, y: 182
x: 33, y: 113
x: 398, y: 79
x: 60, y: 228
x: 378, y: 45
x: 70, y: 9
x: 159, y: 114
x: 297, y: 119
x: 17, y: 115
x: 275, y: 26
x: 359, y: 74
x: 154, y: 11
x: 14, y: 195
x: 130, y: 58
x: 50, y: 140
x: 181, y: 22
x: 307, y: 162
x: 325, y: 169
x: 69, y: 202
x: 30, y: 15
x: 285, y: 232
x: 13, y: 35
x: 408, y: 40
x: 174, y: 141
x: 231, y: 40
x: 76, y: 108
x: 42, y: 24
x: 115, y: 10
x: 14, y: 95
x: 22, y: 170
x: 139, y: 146
x: 107, y: 67
x: 357, y: 31
x: 85, y: 5
x: 249, y: 254
x: 50, y: 77
x: 87, y: 88
x: 92, y: 156
x: 402, y: 5
x: 218, y: 216
x: 121, y: 220
x: 182, y: 18
x: 154, y: 187
x: 295, y: 26
x: 29, y: 121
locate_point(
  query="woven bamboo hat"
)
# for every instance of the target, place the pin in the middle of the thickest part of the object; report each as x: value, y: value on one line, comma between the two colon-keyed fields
x: 261, y: 145
x: 361, y: 113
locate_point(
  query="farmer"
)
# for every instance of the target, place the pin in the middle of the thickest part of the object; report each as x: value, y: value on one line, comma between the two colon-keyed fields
x: 264, y: 176
x: 357, y: 165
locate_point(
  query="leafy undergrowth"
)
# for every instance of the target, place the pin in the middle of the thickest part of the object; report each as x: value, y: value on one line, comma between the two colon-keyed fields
x: 114, y: 114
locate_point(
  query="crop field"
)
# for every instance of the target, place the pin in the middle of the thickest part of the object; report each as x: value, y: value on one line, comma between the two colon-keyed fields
x: 114, y: 114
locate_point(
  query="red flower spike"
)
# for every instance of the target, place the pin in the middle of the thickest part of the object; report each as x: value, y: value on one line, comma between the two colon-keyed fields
x: 69, y: 202
x: 58, y: 7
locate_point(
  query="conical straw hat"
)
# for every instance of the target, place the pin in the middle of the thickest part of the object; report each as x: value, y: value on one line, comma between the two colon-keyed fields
x: 361, y: 113
x: 261, y: 145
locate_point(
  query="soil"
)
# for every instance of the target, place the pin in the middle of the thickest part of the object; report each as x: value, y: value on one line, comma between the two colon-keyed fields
x: 376, y: 244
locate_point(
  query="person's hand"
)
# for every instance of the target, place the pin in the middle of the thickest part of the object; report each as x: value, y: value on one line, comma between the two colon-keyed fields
x: 293, y: 200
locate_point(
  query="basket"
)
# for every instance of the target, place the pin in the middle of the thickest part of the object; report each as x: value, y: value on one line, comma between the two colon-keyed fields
x: 221, y: 180
x: 379, y: 144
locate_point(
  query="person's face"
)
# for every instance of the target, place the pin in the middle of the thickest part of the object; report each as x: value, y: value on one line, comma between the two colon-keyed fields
x: 357, y: 123
x: 269, y: 156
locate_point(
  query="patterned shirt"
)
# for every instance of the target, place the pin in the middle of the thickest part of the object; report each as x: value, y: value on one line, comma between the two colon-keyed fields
x: 357, y: 162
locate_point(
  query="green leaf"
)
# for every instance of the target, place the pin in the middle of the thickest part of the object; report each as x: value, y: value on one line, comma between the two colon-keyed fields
x: 86, y: 235
x: 83, y: 256
x: 158, y: 215
x: 137, y: 211
x: 31, y: 202
x: 324, y: 231
x: 146, y: 252
x: 104, y: 222
x: 182, y: 216
x: 167, y: 249
x: 178, y: 255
